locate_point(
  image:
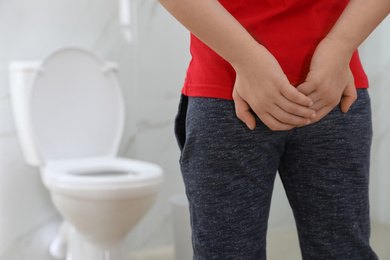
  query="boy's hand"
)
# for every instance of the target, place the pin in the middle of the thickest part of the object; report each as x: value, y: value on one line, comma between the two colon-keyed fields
x: 330, y: 80
x: 262, y: 86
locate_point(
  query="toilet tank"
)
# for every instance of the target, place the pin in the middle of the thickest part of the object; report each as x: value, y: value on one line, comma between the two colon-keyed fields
x: 21, y: 74
x: 67, y: 106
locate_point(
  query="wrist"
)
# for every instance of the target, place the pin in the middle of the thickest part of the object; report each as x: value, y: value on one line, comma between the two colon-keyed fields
x: 338, y: 48
x: 343, y: 45
x: 247, y: 55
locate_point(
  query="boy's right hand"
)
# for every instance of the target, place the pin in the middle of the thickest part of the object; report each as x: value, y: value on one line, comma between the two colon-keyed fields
x: 261, y: 86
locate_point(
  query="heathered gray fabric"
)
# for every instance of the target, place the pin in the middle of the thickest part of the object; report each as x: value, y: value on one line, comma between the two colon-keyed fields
x: 229, y: 172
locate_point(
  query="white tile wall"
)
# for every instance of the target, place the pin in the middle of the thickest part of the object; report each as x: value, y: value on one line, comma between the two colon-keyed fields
x: 151, y: 75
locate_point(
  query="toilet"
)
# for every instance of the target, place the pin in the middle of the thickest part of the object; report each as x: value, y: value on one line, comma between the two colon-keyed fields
x: 69, y: 117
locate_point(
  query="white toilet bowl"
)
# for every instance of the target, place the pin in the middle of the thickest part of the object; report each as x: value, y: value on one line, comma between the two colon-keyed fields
x: 69, y: 115
x: 102, y: 198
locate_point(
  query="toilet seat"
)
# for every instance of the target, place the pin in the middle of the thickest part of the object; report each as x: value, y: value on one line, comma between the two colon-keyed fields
x: 102, y: 177
x: 76, y: 103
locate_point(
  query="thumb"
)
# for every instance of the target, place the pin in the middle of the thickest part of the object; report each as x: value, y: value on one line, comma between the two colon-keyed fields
x: 306, y: 88
x: 243, y: 110
x: 349, y: 96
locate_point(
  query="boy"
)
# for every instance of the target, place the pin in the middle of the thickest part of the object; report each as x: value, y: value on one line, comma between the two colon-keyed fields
x: 277, y: 65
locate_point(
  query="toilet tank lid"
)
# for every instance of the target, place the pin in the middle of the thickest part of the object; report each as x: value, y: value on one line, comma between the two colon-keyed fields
x: 24, y: 66
x: 76, y: 105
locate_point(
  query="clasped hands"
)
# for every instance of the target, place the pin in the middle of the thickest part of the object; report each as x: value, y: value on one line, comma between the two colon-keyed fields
x: 261, y: 86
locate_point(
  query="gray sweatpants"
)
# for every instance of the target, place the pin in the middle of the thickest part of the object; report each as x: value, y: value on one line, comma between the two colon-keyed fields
x: 229, y: 172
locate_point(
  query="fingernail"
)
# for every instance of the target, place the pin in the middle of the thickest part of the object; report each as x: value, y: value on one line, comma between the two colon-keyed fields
x: 313, y: 115
x: 311, y: 103
x: 308, y: 122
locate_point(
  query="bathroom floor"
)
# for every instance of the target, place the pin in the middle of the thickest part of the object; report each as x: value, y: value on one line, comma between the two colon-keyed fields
x: 282, y: 245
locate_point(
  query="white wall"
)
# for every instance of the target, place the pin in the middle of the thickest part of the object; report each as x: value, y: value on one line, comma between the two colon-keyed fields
x: 151, y: 75
x: 375, y: 55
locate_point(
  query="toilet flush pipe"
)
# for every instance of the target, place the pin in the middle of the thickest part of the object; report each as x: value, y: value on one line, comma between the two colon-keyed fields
x: 128, y: 19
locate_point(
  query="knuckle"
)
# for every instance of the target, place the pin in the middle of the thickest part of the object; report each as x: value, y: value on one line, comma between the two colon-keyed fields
x: 292, y: 95
x: 288, y: 94
x: 295, y: 110
x: 328, y: 93
x: 235, y: 95
x: 317, y: 81
x: 333, y: 98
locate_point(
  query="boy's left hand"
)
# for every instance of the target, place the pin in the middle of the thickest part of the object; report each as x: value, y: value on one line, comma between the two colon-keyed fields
x: 330, y: 81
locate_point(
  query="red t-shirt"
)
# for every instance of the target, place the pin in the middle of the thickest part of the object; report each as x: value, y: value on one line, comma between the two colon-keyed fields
x: 289, y: 29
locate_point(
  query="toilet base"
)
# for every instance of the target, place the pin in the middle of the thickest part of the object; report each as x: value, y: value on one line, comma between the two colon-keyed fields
x: 79, y: 248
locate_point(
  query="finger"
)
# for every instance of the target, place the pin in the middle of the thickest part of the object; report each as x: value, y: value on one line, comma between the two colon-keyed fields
x: 306, y: 88
x: 322, y: 108
x: 324, y: 100
x: 243, y: 111
x: 274, y: 124
x: 288, y: 118
x: 320, y: 103
x: 292, y: 94
x: 349, y: 97
x: 321, y: 113
x: 295, y: 109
